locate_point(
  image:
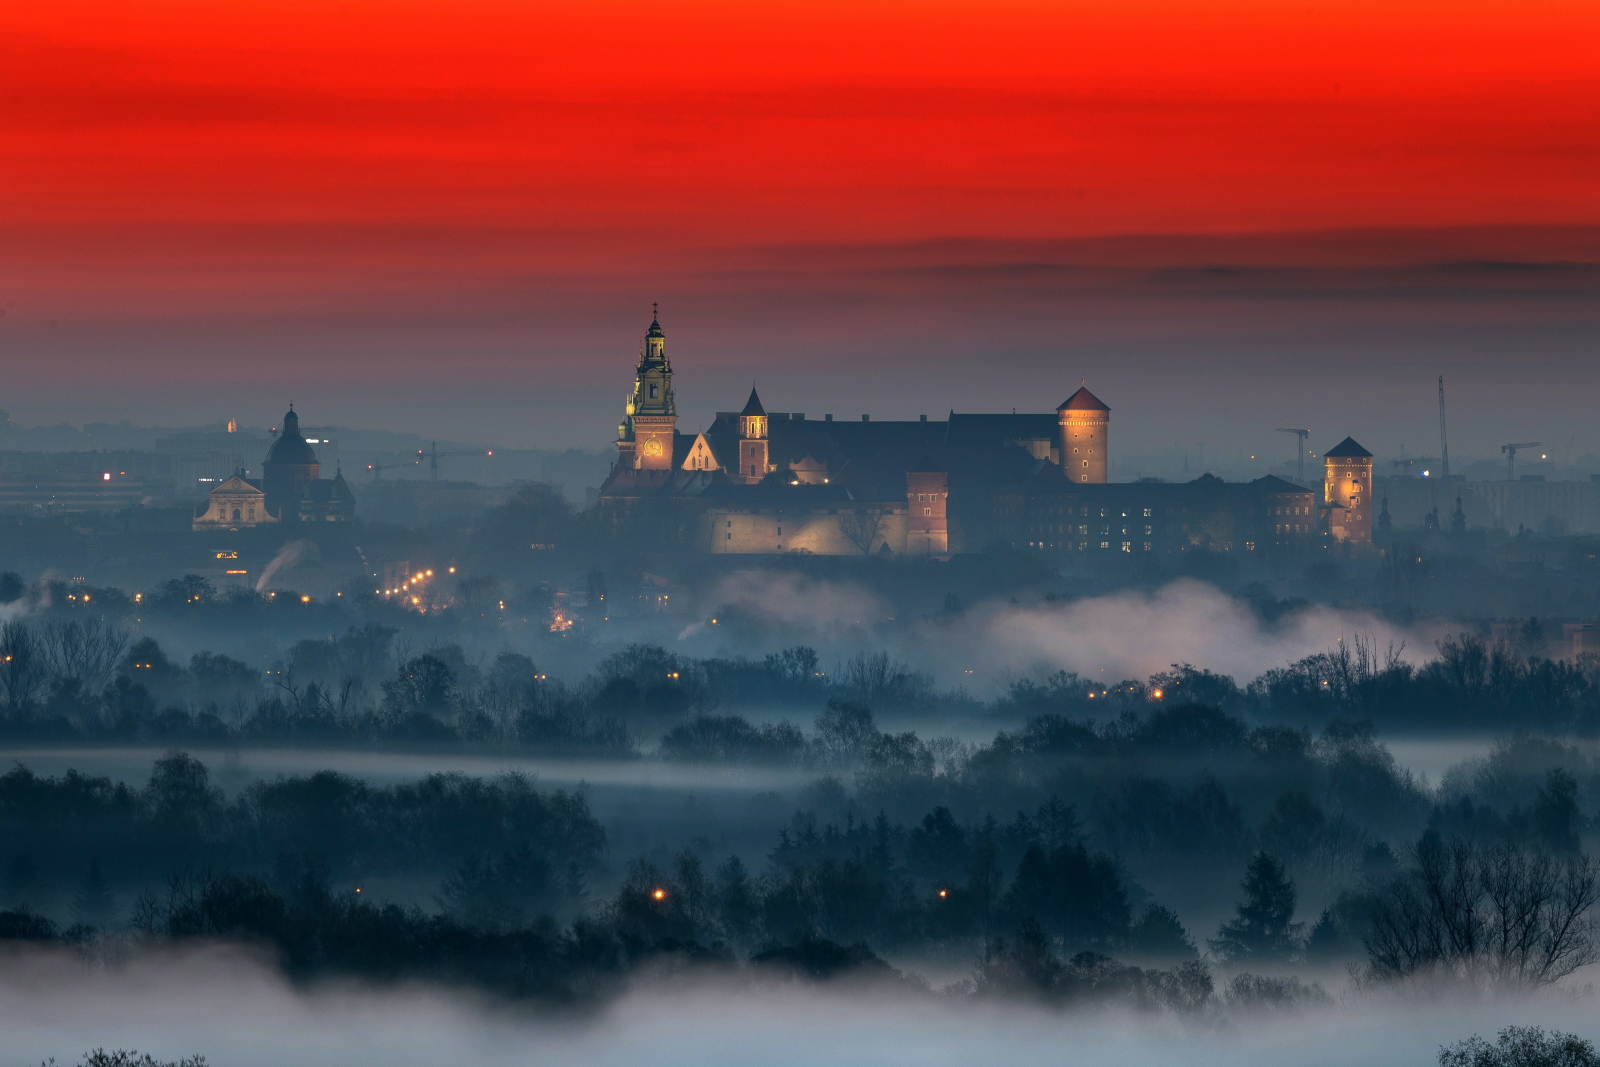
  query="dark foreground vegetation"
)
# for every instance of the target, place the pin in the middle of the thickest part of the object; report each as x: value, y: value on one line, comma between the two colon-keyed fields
x: 1047, y: 910
x: 1515, y: 1046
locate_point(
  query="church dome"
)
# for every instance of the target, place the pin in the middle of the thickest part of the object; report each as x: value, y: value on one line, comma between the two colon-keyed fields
x: 291, y: 449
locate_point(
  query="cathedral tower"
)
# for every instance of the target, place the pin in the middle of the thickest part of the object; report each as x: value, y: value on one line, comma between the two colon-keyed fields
x: 1085, y: 430
x: 645, y: 438
x: 754, y: 462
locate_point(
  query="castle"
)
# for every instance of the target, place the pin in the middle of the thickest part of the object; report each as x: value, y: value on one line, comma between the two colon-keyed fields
x: 756, y: 481
x: 291, y: 489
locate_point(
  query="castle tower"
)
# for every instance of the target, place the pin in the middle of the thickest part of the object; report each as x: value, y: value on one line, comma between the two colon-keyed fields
x: 754, y: 462
x: 290, y: 466
x: 927, y: 513
x: 1085, y: 431
x: 645, y: 438
x: 1347, y: 491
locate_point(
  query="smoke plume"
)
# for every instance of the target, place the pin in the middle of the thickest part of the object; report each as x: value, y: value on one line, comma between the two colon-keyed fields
x: 290, y: 555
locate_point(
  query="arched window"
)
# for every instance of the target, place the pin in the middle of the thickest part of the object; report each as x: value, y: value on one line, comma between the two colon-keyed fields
x: 235, y: 514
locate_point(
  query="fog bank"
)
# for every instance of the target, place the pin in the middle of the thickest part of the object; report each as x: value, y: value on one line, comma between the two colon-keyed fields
x: 229, y: 1006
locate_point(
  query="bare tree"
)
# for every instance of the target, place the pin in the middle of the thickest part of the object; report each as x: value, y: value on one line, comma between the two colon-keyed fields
x: 23, y: 670
x: 861, y: 528
x: 88, y: 651
x: 1492, y: 916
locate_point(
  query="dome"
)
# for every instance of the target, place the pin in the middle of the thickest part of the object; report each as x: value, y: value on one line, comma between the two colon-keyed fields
x: 291, y: 449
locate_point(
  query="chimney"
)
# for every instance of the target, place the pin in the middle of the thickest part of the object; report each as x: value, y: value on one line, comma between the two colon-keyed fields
x: 924, y: 418
x: 827, y: 418
x: 866, y: 418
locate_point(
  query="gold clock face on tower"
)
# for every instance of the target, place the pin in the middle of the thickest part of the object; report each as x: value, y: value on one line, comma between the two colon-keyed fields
x: 652, y: 447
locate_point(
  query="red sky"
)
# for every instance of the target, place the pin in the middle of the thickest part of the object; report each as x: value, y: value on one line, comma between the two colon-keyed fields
x: 455, y: 214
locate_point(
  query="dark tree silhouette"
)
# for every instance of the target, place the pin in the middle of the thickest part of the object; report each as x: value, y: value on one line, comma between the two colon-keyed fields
x: 1263, y: 928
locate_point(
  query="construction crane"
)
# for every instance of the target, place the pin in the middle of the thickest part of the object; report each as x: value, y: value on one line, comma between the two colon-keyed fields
x: 1299, y: 451
x: 1511, y: 457
x: 433, y: 455
x: 1444, y: 444
x: 376, y: 468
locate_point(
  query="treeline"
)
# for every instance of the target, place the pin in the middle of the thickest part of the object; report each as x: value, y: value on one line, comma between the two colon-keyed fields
x: 1489, y: 918
x: 81, y: 678
x: 88, y: 840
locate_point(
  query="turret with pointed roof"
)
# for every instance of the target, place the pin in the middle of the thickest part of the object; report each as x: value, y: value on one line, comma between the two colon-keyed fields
x: 755, y: 459
x: 1085, y: 437
x: 1347, y: 491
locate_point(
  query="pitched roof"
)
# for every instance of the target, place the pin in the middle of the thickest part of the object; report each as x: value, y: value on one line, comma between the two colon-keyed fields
x: 753, y: 405
x: 1082, y: 400
x: 1271, y: 483
x: 1347, y: 449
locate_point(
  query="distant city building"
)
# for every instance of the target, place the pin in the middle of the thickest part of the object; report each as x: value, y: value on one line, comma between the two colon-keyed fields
x: 291, y: 489
x: 236, y: 503
x: 756, y: 481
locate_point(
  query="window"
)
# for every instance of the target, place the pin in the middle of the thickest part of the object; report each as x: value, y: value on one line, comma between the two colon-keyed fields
x: 927, y: 511
x: 1147, y: 513
x: 653, y: 392
x: 1147, y: 546
x: 235, y: 514
x: 730, y: 536
x: 1127, y: 546
x: 730, y: 524
x: 1105, y: 544
x: 1148, y: 530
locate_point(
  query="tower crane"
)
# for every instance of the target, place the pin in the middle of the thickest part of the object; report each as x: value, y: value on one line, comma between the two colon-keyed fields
x: 1299, y: 451
x: 433, y: 455
x: 1511, y: 457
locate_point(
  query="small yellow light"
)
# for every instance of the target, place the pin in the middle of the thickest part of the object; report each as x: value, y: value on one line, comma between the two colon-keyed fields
x: 452, y: 570
x: 305, y: 600
x: 660, y: 894
x: 1156, y: 693
x: 944, y: 892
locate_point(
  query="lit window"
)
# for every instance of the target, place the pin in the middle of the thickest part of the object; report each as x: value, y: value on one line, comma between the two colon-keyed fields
x: 927, y: 511
x: 1147, y: 546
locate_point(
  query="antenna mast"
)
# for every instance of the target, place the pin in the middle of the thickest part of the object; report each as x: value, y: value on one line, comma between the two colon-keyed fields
x: 1444, y: 445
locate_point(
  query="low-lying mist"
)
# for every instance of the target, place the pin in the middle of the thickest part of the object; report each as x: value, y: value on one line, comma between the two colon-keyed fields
x: 232, y: 1007
x: 1130, y: 633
